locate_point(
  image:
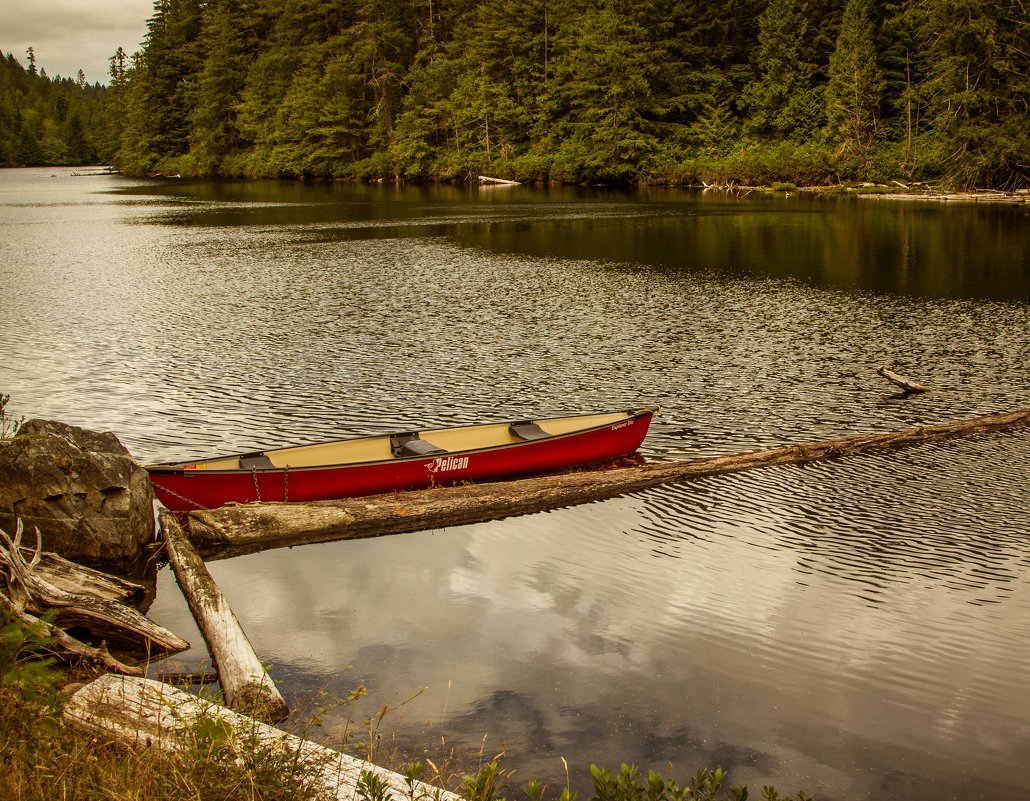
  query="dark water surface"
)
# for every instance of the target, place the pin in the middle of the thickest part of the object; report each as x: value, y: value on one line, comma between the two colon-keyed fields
x: 857, y: 629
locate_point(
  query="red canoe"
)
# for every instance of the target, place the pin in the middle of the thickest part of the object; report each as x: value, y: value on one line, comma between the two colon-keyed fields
x: 410, y: 460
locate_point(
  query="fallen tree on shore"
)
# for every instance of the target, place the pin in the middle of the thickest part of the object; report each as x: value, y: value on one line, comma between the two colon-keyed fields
x: 247, y: 528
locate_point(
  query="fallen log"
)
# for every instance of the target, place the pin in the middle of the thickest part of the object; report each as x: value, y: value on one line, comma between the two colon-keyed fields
x: 140, y: 713
x: 246, y: 528
x: 246, y: 684
x: 28, y: 590
x: 900, y: 380
x: 81, y: 580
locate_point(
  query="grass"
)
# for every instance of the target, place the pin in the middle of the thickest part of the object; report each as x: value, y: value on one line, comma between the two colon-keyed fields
x: 42, y: 759
x: 8, y: 424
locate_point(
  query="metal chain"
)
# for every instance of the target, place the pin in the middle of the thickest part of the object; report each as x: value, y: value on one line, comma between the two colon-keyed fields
x: 257, y: 489
x: 286, y: 485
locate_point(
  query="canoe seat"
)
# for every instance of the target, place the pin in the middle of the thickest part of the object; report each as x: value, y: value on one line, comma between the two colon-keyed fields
x: 256, y: 461
x: 409, y: 444
x: 527, y: 429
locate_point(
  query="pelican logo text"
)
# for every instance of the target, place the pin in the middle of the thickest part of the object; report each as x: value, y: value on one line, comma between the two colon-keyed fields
x: 447, y: 463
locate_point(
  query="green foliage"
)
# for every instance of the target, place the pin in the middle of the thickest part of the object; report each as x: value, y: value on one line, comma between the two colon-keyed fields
x: 482, y: 786
x: 977, y: 82
x: 856, y: 85
x: 594, y: 91
x: 705, y: 785
x: 783, y: 103
x: 372, y: 787
x: 26, y: 668
x: 8, y: 425
x: 44, y: 121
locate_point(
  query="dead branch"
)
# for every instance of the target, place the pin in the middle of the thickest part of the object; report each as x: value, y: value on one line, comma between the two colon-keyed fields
x: 29, y: 592
x: 900, y: 380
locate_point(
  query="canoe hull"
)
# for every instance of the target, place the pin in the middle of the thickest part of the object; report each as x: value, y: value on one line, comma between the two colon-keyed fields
x: 186, y: 489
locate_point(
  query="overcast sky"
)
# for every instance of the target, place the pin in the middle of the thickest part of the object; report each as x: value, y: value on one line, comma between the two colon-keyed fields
x: 67, y: 35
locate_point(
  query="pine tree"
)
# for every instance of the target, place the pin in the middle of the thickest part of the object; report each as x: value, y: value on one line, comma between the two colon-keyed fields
x: 781, y: 101
x: 216, y: 89
x: 978, y: 85
x: 856, y: 86
x: 603, y: 106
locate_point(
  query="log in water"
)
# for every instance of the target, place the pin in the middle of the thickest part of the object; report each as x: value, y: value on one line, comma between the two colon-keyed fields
x: 237, y: 529
x: 245, y: 682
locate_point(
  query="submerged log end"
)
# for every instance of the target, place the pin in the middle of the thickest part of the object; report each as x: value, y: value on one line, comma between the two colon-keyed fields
x: 901, y: 381
x: 261, y: 701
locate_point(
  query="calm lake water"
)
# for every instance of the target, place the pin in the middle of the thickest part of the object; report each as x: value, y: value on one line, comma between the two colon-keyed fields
x: 858, y: 629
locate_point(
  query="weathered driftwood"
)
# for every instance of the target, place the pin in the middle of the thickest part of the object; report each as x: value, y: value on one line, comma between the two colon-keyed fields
x: 142, y: 713
x: 69, y: 645
x: 29, y: 591
x: 80, y: 580
x: 900, y: 380
x: 237, y: 529
x: 246, y: 684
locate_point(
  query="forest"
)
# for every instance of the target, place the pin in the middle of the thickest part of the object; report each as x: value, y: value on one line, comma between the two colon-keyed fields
x: 578, y: 91
x: 44, y: 121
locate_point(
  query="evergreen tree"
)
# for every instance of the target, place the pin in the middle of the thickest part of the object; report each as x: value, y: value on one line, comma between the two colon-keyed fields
x: 978, y: 85
x: 163, y: 76
x: 856, y: 85
x: 216, y: 89
x: 571, y: 90
x: 602, y: 101
x: 44, y: 121
x: 781, y: 101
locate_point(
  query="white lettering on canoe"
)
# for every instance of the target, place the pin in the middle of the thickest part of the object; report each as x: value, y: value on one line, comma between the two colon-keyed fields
x: 617, y: 426
x: 444, y: 464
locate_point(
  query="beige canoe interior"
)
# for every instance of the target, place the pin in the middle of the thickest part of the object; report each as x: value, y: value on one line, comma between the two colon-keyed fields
x: 377, y: 449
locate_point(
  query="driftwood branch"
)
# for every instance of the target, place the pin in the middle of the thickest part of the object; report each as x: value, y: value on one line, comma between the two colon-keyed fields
x: 30, y: 591
x: 900, y: 380
x: 70, y: 646
x: 247, y: 528
x: 142, y: 713
x: 246, y: 684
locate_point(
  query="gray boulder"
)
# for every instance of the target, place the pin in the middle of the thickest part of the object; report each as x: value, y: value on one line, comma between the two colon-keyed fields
x: 92, y: 503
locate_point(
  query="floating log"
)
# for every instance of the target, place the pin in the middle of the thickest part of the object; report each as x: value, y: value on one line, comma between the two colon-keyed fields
x: 900, y: 380
x: 486, y: 179
x: 247, y: 528
x: 246, y: 684
x: 141, y: 713
x: 28, y: 590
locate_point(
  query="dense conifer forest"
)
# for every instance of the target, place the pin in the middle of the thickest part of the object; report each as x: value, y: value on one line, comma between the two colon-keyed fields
x: 44, y: 121
x: 600, y: 91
